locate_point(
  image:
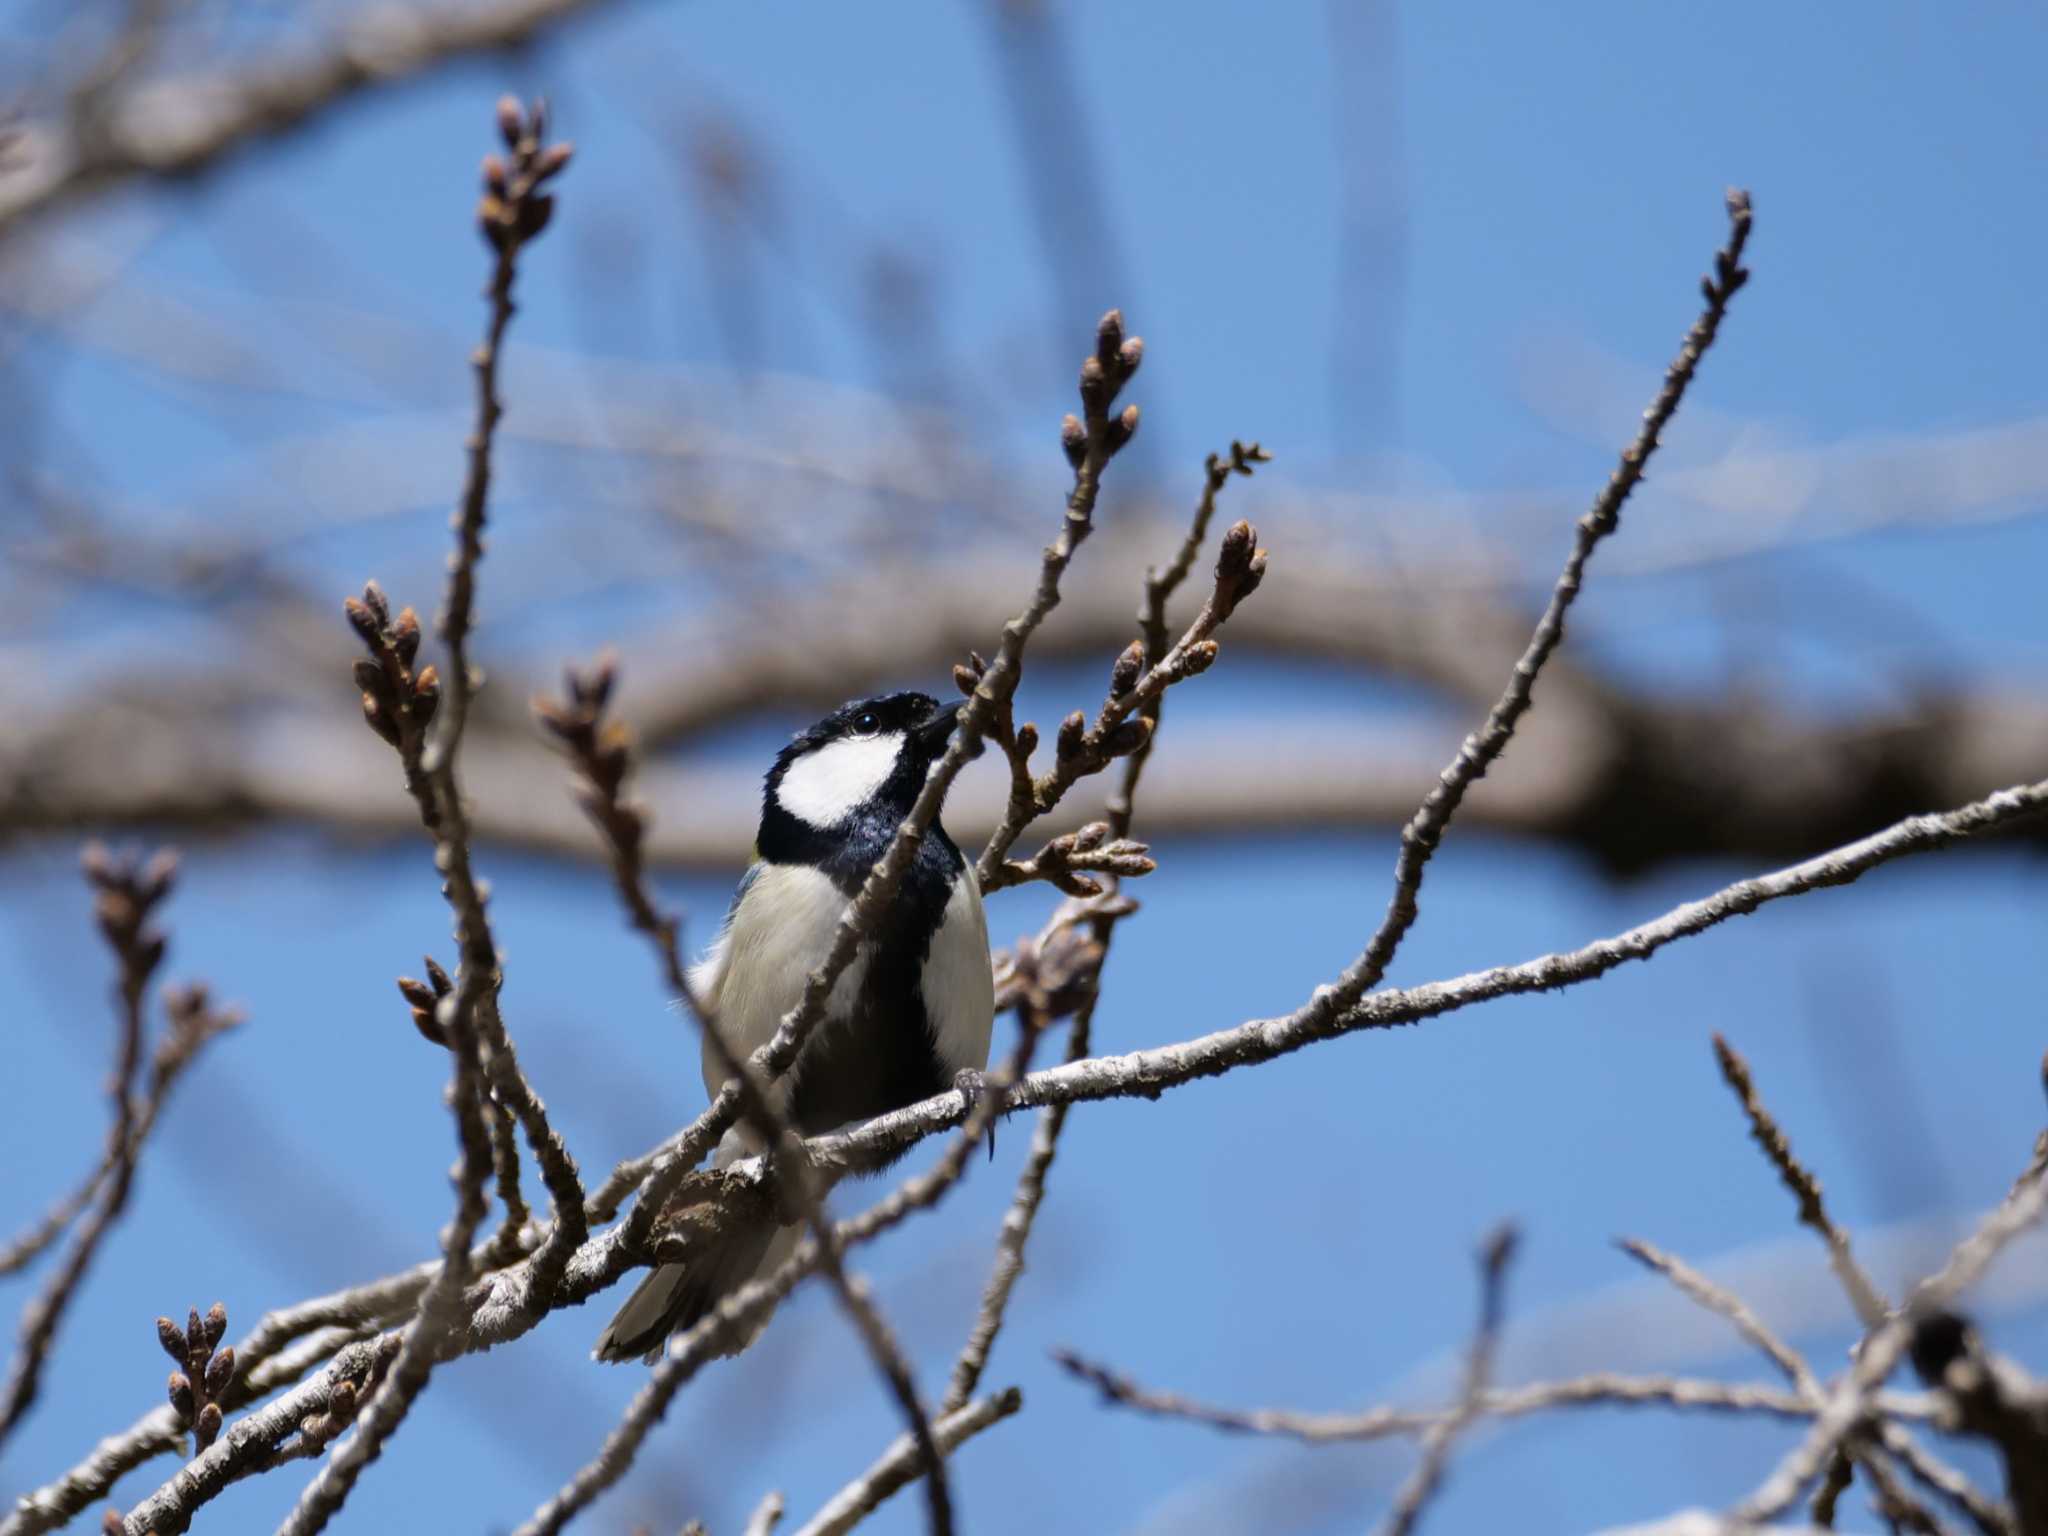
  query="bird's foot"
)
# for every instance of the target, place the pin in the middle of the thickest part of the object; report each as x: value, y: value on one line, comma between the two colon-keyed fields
x: 972, y: 1085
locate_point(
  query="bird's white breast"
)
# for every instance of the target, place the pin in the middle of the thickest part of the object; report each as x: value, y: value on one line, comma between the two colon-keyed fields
x: 826, y: 786
x: 958, y: 985
x: 755, y: 973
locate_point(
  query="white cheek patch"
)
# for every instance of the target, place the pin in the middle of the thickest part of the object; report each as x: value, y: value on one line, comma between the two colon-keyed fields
x: 826, y: 786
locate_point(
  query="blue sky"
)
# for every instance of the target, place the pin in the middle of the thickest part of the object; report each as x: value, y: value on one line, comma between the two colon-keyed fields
x: 1427, y: 251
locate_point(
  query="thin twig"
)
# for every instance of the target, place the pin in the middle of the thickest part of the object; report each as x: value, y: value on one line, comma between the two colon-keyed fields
x: 1864, y: 1296
x: 1020, y: 1215
x: 34, y: 1240
x: 766, y: 1516
x: 1091, y: 446
x: 126, y: 894
x: 1482, y: 748
x: 1160, y: 585
x: 601, y: 754
x: 1596, y: 1389
x: 1717, y: 1298
x: 900, y: 1464
x: 1015, y: 1231
x: 1437, y: 1440
x: 514, y: 210
x: 1135, y: 689
x: 735, y: 1317
x: 1880, y: 1353
x: 1147, y: 1073
x: 193, y: 1023
x: 501, y: 1314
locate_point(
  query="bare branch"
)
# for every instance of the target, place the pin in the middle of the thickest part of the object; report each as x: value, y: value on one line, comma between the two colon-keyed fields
x: 1596, y: 1389
x: 1147, y: 1073
x: 513, y: 211
x: 1160, y: 585
x: 766, y: 1516
x: 901, y: 1463
x: 1716, y: 1298
x: 1846, y: 1408
x: 1864, y: 1296
x: 127, y: 892
x: 177, y: 128
x: 1437, y: 1440
x: 1481, y: 749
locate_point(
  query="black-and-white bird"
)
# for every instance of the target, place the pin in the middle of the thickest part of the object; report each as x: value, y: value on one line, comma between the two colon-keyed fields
x: 913, y: 1010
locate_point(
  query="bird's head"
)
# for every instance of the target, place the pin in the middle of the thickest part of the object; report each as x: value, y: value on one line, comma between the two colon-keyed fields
x: 864, y: 762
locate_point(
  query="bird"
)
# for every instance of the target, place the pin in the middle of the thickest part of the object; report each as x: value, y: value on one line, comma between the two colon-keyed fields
x: 909, y: 1018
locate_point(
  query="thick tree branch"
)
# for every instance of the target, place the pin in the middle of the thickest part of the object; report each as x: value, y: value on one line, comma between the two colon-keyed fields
x: 178, y: 127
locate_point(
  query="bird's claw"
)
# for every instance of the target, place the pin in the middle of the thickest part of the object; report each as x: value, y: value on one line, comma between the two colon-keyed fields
x: 971, y: 1085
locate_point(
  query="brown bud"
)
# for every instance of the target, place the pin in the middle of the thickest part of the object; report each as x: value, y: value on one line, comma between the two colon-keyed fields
x: 426, y: 693
x: 1254, y: 574
x: 1234, y: 557
x: 494, y: 175
x: 1244, y: 455
x: 491, y: 216
x: 195, y: 1333
x: 379, y: 719
x: 598, y: 683
x: 361, y: 619
x: 1131, y: 354
x: 1123, y: 429
x: 179, y: 1390
x: 1072, y: 730
x: 369, y: 677
x: 111, y: 1524
x: 216, y: 1323
x: 1128, y: 737
x: 1094, y: 385
x: 429, y: 1027
x: 173, y: 1342
x: 1198, y: 658
x: 1109, y: 336
x: 964, y: 679
x: 511, y: 121
x: 343, y: 1403
x: 378, y: 604
x: 438, y: 977
x: 208, y: 1425
x: 405, y: 635
x: 219, y: 1371
x: 1090, y: 836
x: 1073, y: 439
x: 1027, y: 738
x: 158, y: 875
x: 416, y: 992
x: 553, y: 160
x: 534, y: 214
x: 1123, y: 677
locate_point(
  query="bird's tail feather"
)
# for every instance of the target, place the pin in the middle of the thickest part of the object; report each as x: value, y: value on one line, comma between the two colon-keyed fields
x: 677, y: 1296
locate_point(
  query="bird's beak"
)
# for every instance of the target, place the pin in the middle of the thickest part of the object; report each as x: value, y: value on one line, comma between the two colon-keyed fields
x: 933, y: 734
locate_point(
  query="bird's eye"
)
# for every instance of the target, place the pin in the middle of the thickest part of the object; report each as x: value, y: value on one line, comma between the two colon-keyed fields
x: 866, y: 723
